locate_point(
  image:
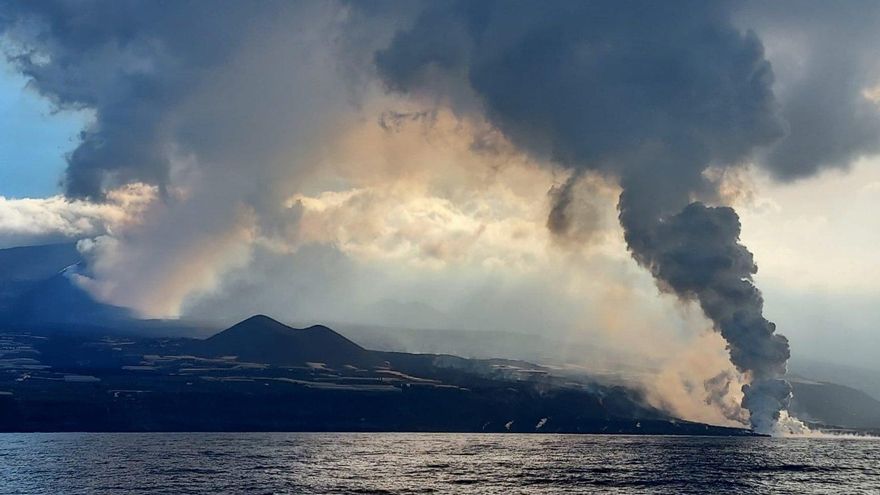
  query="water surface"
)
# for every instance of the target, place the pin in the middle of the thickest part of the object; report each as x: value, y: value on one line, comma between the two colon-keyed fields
x: 402, y: 463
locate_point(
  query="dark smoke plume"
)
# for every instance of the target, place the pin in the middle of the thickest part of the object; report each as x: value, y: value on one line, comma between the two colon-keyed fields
x: 559, y: 221
x: 697, y: 255
x: 652, y: 93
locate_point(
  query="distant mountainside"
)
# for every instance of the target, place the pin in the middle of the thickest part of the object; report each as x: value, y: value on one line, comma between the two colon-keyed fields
x: 36, y: 287
x: 832, y: 404
x: 35, y: 263
x: 58, y: 299
x: 857, y: 377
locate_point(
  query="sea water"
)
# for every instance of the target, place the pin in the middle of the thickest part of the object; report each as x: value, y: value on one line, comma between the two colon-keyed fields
x: 404, y: 463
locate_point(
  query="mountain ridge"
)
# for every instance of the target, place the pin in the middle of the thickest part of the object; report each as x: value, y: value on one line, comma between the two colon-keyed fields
x: 264, y: 339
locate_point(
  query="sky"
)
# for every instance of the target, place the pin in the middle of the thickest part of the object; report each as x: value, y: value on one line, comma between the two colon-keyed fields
x: 630, y: 178
x: 33, y: 139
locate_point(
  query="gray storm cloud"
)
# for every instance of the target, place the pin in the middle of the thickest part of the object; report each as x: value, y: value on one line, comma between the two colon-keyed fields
x: 825, y: 53
x: 652, y: 94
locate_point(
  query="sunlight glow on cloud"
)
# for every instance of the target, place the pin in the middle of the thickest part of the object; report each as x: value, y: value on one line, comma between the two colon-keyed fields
x: 56, y: 218
x: 454, y: 204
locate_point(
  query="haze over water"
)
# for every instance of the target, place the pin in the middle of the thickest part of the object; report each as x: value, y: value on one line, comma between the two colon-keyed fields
x: 404, y: 463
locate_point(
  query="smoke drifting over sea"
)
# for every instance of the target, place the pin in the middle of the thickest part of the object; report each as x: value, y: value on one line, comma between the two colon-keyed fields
x: 278, y: 138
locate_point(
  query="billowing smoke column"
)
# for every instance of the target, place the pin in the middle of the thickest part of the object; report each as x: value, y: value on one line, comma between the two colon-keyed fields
x: 650, y: 93
x: 696, y: 254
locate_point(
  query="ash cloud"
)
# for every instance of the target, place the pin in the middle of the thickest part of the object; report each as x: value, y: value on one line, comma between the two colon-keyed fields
x: 576, y: 216
x: 696, y: 254
x: 559, y: 221
x: 223, y: 106
x: 653, y: 94
x: 131, y: 62
x: 825, y: 56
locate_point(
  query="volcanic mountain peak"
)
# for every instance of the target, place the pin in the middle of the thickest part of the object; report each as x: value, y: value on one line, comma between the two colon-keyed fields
x: 263, y: 339
x: 257, y: 324
x: 261, y: 326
